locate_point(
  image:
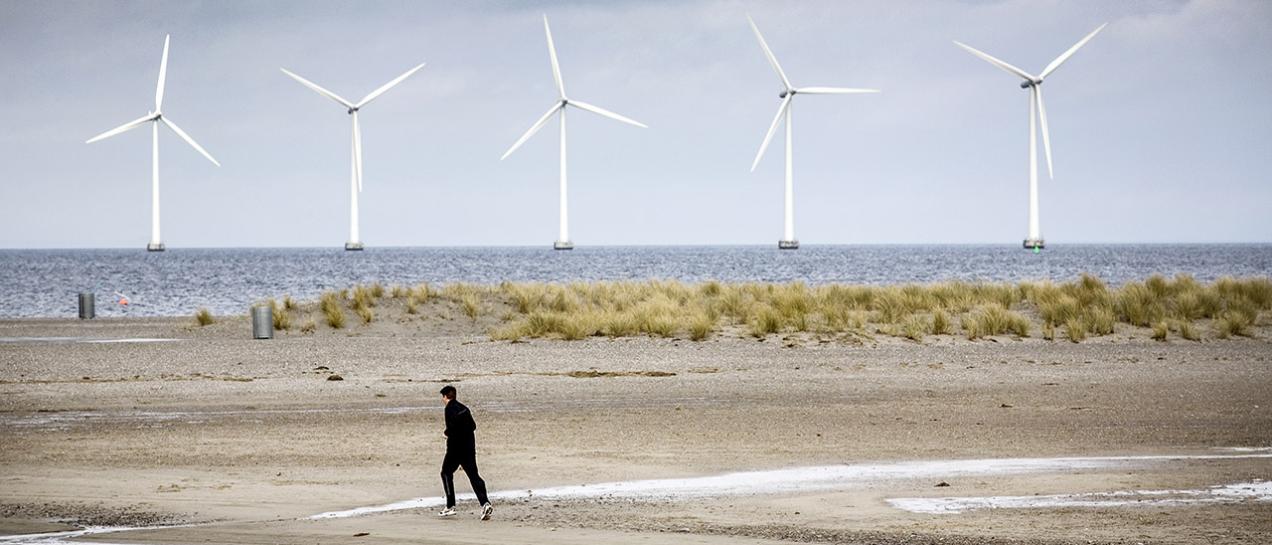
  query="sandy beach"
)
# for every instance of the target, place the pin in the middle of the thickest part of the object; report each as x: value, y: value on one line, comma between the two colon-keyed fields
x: 245, y: 440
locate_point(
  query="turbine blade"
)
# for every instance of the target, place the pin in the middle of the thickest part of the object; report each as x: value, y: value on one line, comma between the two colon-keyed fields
x: 188, y: 140
x: 163, y: 75
x: 357, y: 150
x: 556, y: 67
x: 991, y: 60
x: 320, y: 90
x: 777, y: 119
x: 768, y: 53
x: 533, y: 129
x: 1065, y: 56
x: 1046, y: 132
x: 388, y: 86
x: 833, y: 90
x: 602, y: 111
x: 122, y: 128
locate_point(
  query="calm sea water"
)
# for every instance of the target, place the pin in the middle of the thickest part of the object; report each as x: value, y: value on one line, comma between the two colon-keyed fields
x: 44, y: 283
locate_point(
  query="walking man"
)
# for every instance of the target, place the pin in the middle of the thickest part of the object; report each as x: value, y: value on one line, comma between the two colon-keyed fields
x: 461, y: 451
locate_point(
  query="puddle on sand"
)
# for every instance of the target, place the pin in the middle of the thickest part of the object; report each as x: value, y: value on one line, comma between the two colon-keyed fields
x: 1259, y: 491
x: 63, y: 538
x: 798, y: 480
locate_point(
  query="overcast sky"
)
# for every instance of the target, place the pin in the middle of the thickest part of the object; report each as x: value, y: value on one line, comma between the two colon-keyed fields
x: 1161, y: 126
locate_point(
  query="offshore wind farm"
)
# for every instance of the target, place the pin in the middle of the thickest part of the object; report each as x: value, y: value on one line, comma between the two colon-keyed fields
x: 902, y: 372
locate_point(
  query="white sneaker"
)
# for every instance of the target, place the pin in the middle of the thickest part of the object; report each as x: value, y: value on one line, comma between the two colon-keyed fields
x: 447, y: 512
x: 486, y: 510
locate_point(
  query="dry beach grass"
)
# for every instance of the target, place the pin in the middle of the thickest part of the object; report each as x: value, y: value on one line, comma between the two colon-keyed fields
x: 1080, y: 309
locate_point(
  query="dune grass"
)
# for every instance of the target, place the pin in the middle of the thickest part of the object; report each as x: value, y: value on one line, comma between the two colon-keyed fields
x: 203, y: 317
x: 1077, y: 310
x: 994, y: 319
x: 332, y: 309
x: 1187, y: 331
x: 282, y: 318
x: 1080, y: 309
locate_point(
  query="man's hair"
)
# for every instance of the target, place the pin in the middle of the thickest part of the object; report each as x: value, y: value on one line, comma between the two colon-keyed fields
x: 448, y: 391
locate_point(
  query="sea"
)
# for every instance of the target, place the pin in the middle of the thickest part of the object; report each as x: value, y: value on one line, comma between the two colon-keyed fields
x: 45, y: 283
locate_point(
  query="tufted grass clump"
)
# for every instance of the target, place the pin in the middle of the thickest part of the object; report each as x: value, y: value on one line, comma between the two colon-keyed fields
x: 766, y: 321
x: 471, y: 306
x: 203, y: 317
x: 332, y: 309
x: 700, y: 326
x: 1187, y: 331
x: 940, y: 322
x: 363, y: 296
x: 915, y: 327
x: 1075, y: 330
x: 282, y: 319
x: 1233, y: 322
x: 994, y: 319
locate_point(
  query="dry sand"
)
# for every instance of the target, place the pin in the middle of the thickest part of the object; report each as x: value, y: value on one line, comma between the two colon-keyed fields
x: 252, y: 437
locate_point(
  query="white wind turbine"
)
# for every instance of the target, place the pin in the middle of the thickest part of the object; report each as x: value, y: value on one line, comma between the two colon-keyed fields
x: 1034, y: 240
x: 563, y: 237
x: 788, y: 93
x: 355, y: 180
x: 156, y: 117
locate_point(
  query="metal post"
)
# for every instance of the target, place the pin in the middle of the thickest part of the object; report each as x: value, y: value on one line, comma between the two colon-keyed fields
x: 263, y: 322
x: 87, y: 306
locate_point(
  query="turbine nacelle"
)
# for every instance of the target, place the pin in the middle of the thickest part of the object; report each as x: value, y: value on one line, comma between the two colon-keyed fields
x: 786, y: 92
x: 1030, y: 83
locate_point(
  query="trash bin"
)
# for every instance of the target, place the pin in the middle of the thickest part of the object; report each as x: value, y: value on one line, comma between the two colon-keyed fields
x: 87, y: 306
x: 263, y: 322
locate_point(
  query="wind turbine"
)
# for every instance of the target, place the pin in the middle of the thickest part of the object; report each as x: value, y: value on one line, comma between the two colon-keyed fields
x: 1034, y: 240
x: 563, y: 237
x: 156, y: 117
x: 355, y: 179
x: 788, y: 93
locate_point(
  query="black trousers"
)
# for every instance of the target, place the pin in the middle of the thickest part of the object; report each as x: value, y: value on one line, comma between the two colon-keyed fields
x: 468, y: 461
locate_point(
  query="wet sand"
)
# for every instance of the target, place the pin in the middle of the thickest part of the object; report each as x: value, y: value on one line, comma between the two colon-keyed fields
x: 252, y: 437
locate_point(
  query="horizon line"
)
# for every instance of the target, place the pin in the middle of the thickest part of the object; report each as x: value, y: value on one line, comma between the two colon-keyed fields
x: 645, y: 245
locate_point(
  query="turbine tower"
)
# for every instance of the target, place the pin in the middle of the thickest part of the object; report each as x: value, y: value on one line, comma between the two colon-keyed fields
x: 355, y: 179
x: 1037, y: 114
x: 788, y: 241
x: 156, y: 117
x: 563, y: 236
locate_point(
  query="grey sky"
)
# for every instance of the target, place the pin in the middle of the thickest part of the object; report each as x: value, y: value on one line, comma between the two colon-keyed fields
x: 1161, y: 126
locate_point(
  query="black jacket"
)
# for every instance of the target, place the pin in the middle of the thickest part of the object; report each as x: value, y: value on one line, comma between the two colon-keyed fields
x: 459, y: 427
